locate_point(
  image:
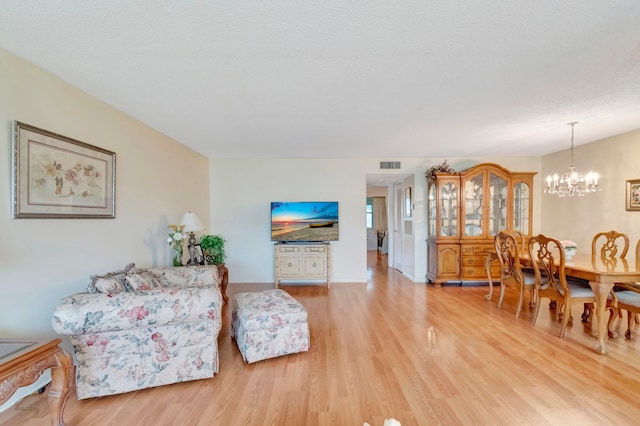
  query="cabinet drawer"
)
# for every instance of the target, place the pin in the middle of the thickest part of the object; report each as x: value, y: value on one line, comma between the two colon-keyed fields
x: 467, y: 249
x: 475, y: 272
x: 484, y: 248
x: 289, y: 249
x: 315, y: 249
x: 477, y: 248
x: 474, y: 260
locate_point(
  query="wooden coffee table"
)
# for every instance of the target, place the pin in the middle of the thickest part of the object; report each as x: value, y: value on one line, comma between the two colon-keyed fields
x: 22, y: 362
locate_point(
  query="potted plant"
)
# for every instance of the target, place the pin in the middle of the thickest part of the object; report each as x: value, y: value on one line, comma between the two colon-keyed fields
x: 213, y: 249
x: 430, y: 173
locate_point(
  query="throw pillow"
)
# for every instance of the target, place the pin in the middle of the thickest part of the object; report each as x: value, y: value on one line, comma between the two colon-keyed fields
x: 117, y: 275
x: 142, y: 281
x: 109, y: 285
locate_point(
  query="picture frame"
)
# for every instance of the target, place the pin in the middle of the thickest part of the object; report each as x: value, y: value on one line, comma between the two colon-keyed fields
x: 56, y: 177
x: 196, y: 255
x: 632, y: 196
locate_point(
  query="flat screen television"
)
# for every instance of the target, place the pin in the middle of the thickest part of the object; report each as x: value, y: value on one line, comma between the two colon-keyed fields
x: 304, y: 221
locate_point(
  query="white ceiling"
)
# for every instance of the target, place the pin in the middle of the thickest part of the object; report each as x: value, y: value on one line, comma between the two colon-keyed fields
x: 338, y: 78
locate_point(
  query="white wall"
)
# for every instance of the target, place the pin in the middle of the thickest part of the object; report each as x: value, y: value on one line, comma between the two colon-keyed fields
x: 242, y: 189
x: 616, y: 159
x: 157, y: 180
x: 241, y: 193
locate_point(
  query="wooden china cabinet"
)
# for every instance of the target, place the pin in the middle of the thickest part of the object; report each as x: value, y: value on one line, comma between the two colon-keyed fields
x: 465, y: 211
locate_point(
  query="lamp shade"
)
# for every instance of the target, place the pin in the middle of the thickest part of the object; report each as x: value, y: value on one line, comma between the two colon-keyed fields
x: 191, y: 222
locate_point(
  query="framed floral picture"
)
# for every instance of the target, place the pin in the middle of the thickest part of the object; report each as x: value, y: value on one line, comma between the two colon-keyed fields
x: 633, y: 195
x: 58, y: 177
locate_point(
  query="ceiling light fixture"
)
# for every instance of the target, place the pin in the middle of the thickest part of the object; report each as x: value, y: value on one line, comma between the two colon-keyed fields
x: 572, y: 183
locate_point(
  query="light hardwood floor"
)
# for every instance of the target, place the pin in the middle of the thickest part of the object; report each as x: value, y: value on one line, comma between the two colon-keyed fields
x: 393, y: 348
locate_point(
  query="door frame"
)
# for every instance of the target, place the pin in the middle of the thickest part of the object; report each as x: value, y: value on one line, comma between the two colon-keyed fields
x: 398, y: 225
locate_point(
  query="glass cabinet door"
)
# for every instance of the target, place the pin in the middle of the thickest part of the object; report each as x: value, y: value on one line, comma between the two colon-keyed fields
x: 449, y: 212
x: 497, y: 204
x: 473, y: 205
x: 521, y: 200
x: 432, y: 210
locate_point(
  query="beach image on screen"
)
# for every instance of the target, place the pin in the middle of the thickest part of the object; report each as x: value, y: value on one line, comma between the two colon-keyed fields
x: 304, y: 221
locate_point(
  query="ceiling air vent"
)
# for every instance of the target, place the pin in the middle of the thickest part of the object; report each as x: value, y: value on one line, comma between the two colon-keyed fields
x: 389, y: 164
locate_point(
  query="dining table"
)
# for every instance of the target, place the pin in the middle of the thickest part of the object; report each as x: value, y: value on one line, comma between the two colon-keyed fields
x: 602, y: 275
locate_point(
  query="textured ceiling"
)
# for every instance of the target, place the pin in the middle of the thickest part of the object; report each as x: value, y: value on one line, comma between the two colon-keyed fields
x: 299, y: 79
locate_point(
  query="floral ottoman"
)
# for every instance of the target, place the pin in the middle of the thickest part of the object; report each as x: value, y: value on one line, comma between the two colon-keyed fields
x: 268, y: 324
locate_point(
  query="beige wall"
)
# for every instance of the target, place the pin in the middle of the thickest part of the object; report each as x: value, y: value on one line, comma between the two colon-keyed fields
x: 157, y: 180
x: 616, y: 159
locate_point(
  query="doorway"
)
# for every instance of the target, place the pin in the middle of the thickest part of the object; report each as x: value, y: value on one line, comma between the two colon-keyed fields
x: 393, y: 189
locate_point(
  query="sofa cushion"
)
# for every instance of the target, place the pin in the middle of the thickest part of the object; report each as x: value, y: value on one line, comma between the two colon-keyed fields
x: 268, y: 309
x: 142, y: 281
x: 188, y: 276
x: 110, y: 284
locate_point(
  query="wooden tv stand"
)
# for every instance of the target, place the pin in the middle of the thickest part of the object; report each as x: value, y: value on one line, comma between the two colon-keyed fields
x: 302, y: 261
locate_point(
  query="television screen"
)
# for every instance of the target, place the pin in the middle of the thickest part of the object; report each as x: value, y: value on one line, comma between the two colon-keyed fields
x: 304, y: 221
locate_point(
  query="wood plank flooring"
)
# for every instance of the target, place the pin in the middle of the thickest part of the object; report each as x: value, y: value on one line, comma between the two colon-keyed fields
x: 393, y: 348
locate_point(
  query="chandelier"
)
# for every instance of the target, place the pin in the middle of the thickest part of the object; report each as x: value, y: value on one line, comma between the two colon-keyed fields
x: 572, y: 183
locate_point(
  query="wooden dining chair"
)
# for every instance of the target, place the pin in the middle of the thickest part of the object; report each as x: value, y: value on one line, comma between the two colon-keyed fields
x: 548, y: 260
x: 610, y: 247
x: 511, y: 274
x: 627, y: 297
x: 522, y: 247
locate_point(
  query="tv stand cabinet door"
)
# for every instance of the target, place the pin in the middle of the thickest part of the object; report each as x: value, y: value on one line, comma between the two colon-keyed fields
x: 288, y: 263
x: 315, y: 266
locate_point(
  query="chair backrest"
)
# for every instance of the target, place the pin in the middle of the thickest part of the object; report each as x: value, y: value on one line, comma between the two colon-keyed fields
x: 508, y: 252
x: 609, y: 245
x: 519, y: 236
x: 547, y: 258
x: 520, y: 239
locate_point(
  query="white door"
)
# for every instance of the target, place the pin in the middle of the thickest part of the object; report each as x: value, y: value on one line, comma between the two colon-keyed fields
x: 398, y: 201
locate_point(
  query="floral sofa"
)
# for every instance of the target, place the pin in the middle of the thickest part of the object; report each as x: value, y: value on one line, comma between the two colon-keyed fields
x: 135, y: 329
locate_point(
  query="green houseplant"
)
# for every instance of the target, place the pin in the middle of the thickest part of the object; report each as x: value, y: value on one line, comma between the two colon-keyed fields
x: 213, y: 249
